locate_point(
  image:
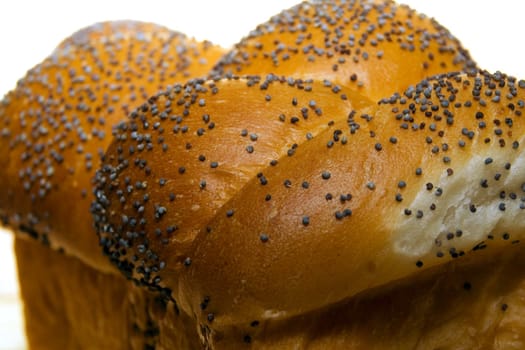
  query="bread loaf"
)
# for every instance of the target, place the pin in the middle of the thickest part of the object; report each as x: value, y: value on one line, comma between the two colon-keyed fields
x: 323, y: 187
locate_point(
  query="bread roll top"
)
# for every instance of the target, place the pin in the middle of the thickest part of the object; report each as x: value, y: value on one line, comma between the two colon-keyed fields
x: 377, y: 47
x: 188, y: 151
x: 56, y: 124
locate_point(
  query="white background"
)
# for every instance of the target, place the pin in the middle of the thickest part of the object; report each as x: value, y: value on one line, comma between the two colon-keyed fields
x: 493, y: 31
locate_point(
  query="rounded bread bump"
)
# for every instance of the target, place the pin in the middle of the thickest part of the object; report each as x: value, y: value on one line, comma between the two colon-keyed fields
x: 188, y: 151
x: 377, y: 47
x: 56, y: 124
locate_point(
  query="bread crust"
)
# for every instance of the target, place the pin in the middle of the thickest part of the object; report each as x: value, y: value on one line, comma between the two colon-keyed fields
x: 471, y: 303
x: 375, y: 47
x: 334, y: 225
x: 56, y: 124
x: 70, y: 305
x: 292, y: 206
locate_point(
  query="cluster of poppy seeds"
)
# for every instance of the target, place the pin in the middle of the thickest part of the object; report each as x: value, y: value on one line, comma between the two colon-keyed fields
x: 343, y: 41
x: 56, y: 124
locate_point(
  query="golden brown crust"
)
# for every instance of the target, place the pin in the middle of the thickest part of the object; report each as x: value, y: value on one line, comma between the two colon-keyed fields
x: 461, y: 305
x: 344, y: 212
x: 56, y: 291
x: 376, y: 47
x: 470, y: 304
x: 305, y: 265
x: 278, y: 211
x: 69, y: 305
x: 57, y: 123
x: 160, y: 187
